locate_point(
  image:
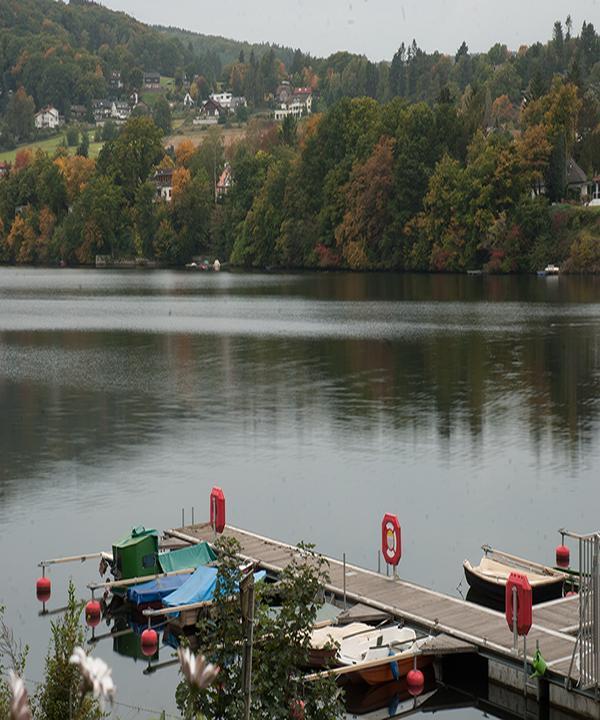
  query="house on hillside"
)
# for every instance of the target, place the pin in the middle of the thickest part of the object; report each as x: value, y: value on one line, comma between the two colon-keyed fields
x: 209, y: 113
x: 47, y: 118
x: 594, y: 190
x: 224, y: 99
x: 284, y: 93
x: 115, y: 83
x: 299, y: 103
x: 577, y: 181
x: 101, y: 110
x: 163, y: 182
x: 188, y: 101
x: 151, y: 81
x: 78, y: 113
x: 225, y: 182
x: 120, y: 110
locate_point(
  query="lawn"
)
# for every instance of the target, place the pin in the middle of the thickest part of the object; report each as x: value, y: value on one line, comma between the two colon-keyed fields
x: 49, y: 145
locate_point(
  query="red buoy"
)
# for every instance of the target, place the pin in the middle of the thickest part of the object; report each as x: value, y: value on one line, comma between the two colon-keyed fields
x: 149, y: 642
x: 415, y: 682
x: 43, y: 589
x: 93, y: 613
x: 563, y: 556
x: 297, y: 708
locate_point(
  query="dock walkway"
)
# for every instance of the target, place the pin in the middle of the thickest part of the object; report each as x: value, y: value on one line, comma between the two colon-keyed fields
x: 432, y: 611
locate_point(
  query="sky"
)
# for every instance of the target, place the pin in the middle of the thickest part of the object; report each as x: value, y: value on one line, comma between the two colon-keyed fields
x: 371, y: 27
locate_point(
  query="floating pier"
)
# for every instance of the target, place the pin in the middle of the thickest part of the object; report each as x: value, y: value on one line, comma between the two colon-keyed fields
x: 457, y: 627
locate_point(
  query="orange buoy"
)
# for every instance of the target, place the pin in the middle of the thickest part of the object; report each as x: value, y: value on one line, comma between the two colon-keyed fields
x: 93, y: 613
x: 43, y: 589
x: 415, y: 682
x: 149, y: 642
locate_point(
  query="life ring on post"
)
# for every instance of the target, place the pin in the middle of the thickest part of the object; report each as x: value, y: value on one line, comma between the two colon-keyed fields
x: 391, y: 539
x: 524, y: 597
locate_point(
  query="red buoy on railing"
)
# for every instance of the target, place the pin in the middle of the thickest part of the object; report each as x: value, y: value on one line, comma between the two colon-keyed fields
x: 415, y: 682
x: 149, y: 642
x: 563, y: 556
x: 93, y: 613
x: 43, y: 589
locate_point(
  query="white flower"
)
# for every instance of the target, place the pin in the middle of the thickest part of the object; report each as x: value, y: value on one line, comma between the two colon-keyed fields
x: 96, y: 676
x: 196, y: 671
x: 19, y: 707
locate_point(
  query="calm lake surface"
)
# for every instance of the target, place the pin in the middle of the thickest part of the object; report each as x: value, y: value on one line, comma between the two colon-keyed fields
x: 469, y: 406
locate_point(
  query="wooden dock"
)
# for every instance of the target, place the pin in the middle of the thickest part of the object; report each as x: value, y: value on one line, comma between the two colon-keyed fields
x: 554, y: 623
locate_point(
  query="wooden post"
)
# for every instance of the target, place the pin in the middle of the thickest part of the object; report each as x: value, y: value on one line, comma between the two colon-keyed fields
x: 247, y: 602
x: 344, y: 570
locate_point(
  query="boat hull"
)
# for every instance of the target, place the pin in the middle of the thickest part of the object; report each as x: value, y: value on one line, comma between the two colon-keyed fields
x: 384, y: 674
x: 497, y: 590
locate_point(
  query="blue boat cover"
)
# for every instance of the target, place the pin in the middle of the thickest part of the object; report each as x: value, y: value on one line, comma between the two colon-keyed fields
x: 155, y: 590
x: 199, y: 587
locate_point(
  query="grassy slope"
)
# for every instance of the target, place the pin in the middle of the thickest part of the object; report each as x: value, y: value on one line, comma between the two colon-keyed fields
x: 49, y: 145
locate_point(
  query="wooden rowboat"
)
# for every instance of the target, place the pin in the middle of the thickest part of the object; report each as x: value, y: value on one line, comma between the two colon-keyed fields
x: 377, y: 645
x: 324, y: 642
x: 489, y: 578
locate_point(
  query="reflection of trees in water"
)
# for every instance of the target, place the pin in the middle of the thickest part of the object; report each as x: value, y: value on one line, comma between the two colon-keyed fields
x: 83, y: 396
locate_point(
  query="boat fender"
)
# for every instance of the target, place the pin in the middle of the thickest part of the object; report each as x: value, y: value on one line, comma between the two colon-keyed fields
x: 394, y: 667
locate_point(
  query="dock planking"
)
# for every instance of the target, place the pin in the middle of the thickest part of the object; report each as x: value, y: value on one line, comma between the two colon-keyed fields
x: 458, y: 622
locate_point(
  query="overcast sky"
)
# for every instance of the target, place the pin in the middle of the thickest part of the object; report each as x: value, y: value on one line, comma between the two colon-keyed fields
x: 373, y: 27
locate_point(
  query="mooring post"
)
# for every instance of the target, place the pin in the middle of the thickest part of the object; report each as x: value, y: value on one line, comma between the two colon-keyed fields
x: 344, y: 563
x: 515, y: 630
x: 192, y: 514
x: 182, y: 517
x: 379, y: 562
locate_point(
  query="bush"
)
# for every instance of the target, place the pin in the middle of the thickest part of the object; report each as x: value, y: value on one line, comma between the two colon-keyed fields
x: 72, y: 136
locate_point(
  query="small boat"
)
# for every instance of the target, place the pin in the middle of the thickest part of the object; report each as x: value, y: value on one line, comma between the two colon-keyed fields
x: 386, y: 700
x: 324, y: 642
x: 490, y: 576
x: 377, y: 645
x: 549, y: 270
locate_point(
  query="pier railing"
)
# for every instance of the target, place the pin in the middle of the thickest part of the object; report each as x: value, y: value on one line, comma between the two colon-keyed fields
x: 586, y: 653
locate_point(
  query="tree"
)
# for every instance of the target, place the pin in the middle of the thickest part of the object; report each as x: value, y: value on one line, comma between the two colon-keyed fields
x: 84, y: 148
x: 289, y: 130
x: 131, y: 156
x: 162, y: 115
x: 362, y: 235
x: 276, y: 677
x: 20, y: 115
x: 57, y: 697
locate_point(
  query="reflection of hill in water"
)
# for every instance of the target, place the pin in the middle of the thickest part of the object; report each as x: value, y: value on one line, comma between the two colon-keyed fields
x: 331, y: 355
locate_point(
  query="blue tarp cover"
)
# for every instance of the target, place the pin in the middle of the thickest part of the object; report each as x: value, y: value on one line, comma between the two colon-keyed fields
x: 199, y: 587
x: 155, y: 589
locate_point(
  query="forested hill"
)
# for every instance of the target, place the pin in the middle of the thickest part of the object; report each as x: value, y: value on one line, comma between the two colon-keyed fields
x: 63, y: 54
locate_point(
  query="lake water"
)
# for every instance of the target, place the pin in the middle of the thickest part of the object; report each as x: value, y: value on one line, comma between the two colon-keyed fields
x: 469, y: 406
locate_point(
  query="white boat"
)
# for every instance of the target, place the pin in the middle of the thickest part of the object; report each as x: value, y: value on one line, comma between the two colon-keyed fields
x: 324, y: 641
x: 551, y: 270
x: 377, y: 645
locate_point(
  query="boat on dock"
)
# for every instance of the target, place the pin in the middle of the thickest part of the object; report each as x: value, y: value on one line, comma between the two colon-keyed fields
x: 490, y: 576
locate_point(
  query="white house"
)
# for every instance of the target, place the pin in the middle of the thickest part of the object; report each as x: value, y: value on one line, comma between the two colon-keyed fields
x: 299, y: 105
x: 163, y: 182
x: 188, y: 101
x: 224, y: 99
x: 47, y: 118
